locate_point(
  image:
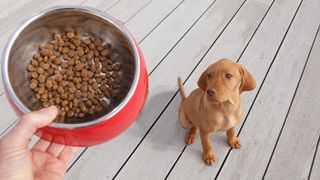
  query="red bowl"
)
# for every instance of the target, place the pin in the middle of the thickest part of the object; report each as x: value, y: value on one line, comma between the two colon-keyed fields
x: 36, y: 30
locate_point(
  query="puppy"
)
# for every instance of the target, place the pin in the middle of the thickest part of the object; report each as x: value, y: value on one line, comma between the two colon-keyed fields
x: 216, y: 105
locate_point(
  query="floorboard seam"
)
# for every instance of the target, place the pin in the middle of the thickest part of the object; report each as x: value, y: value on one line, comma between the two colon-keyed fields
x: 138, y: 11
x: 162, y: 21
x: 314, y: 157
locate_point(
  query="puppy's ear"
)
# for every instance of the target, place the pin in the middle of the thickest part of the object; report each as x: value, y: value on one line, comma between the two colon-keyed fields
x: 247, y: 82
x: 202, y: 81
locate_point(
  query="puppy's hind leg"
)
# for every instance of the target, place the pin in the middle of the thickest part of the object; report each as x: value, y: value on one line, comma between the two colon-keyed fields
x: 186, y: 123
x: 191, y: 135
x: 183, y: 119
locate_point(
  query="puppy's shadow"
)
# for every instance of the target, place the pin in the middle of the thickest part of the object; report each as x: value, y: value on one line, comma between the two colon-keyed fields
x: 166, y: 130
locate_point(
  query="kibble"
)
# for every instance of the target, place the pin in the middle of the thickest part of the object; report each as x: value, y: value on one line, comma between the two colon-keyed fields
x: 77, y: 75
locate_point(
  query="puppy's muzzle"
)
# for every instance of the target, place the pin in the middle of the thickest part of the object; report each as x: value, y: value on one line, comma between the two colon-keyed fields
x: 211, y: 92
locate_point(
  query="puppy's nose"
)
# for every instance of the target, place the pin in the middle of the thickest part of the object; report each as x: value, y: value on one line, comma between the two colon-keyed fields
x: 211, y: 92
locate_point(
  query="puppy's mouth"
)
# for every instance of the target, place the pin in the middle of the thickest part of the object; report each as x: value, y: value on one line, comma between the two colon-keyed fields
x: 213, y: 100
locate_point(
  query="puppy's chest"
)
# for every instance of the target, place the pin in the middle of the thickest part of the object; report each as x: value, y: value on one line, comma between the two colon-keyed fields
x: 223, y: 122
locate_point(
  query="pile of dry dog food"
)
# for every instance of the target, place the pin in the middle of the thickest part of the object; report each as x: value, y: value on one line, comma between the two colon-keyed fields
x: 78, y: 75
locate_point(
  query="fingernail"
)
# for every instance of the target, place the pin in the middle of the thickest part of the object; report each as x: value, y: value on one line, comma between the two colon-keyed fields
x: 52, y: 110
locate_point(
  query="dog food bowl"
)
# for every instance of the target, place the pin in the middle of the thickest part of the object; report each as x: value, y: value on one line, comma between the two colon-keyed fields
x: 38, y: 29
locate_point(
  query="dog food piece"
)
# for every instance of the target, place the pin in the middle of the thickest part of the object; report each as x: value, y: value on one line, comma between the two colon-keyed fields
x: 117, y: 80
x: 74, y: 74
x: 40, y: 70
x: 58, y: 77
x: 114, y: 92
x: 104, y: 52
x: 49, y: 83
x: 33, y: 85
x: 31, y: 68
x: 97, y: 108
x: 86, y: 41
x: 42, y: 78
x: 70, y: 113
x: 116, y: 67
x: 91, y: 110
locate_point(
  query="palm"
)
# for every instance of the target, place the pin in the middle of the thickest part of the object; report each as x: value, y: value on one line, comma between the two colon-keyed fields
x: 45, y: 160
x: 46, y: 166
x: 50, y: 160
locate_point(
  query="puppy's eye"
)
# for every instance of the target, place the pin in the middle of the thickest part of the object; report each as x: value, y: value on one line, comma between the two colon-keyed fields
x: 228, y: 76
x: 209, y: 76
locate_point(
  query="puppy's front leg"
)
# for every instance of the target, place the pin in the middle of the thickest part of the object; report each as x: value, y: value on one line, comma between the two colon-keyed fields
x: 208, y: 154
x: 233, y: 140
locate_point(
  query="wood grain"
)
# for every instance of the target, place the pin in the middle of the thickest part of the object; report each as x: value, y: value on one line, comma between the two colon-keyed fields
x: 156, y: 12
x: 315, y: 172
x: 18, y: 11
x: 295, y: 149
x: 268, y: 113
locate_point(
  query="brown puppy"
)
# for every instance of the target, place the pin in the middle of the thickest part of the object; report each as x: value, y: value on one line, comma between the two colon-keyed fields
x: 216, y: 105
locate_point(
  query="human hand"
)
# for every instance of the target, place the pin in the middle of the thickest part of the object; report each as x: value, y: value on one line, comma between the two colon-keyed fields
x: 45, y: 160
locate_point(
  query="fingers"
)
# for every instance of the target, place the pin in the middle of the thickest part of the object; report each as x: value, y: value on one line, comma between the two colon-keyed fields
x: 29, y: 123
x: 67, y: 154
x: 42, y: 145
x: 55, y: 149
x: 62, y: 152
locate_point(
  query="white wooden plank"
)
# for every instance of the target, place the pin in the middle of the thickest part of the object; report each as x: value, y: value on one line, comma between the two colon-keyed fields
x: 63, y: 2
x: 13, y: 15
x: 315, y: 173
x: 257, y: 59
x: 7, y: 4
x: 165, y: 36
x: 7, y: 114
x: 125, y: 9
x: 1, y: 84
x: 161, y: 90
x: 294, y: 152
x: 265, y: 120
x: 101, y: 4
x: 159, y: 150
x: 151, y: 15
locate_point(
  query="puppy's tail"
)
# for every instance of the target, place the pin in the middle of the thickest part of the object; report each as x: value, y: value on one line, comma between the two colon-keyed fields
x: 183, y: 93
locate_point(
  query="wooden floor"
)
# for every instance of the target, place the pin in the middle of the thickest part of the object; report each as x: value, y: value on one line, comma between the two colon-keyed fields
x: 277, y: 40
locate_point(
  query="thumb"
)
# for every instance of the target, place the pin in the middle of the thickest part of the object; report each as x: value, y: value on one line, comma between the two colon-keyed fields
x: 20, y: 135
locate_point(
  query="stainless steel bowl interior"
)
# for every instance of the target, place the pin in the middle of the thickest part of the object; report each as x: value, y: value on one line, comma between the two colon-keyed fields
x: 39, y: 29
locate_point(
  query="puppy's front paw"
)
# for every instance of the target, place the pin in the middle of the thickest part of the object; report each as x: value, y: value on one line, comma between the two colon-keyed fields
x: 190, y: 138
x: 235, y: 143
x: 209, y: 158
